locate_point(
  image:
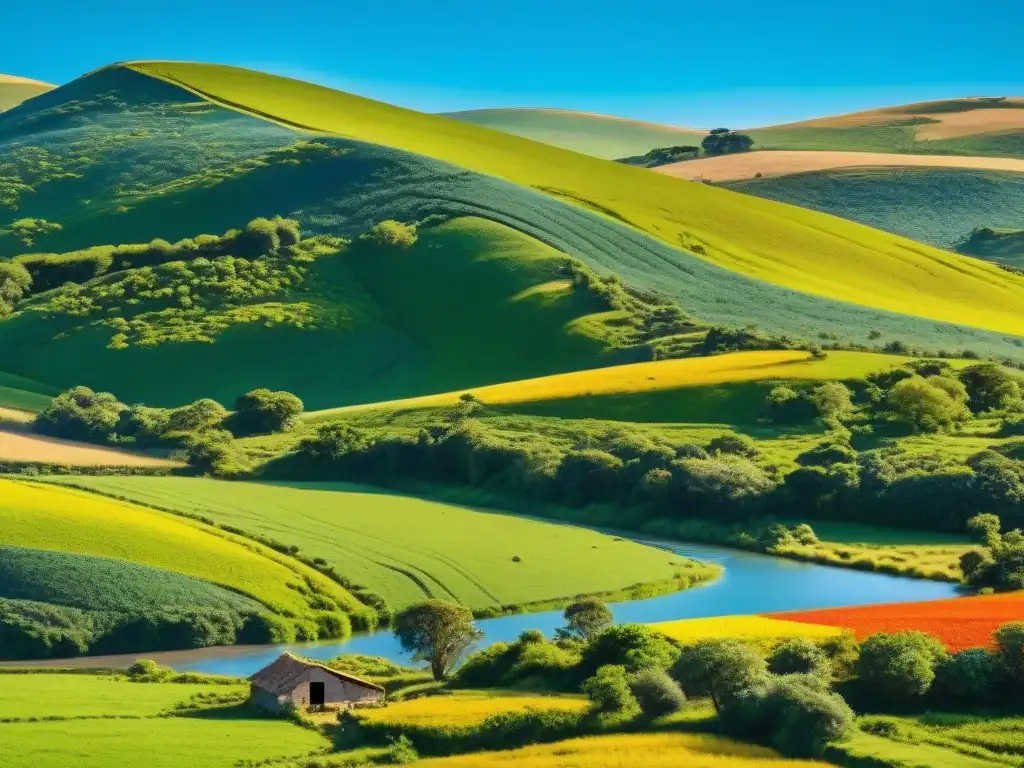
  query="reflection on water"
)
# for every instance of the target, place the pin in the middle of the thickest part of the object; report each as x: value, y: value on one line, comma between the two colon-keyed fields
x: 751, y: 584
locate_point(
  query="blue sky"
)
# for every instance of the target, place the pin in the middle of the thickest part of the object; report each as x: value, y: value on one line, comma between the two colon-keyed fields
x: 735, y: 63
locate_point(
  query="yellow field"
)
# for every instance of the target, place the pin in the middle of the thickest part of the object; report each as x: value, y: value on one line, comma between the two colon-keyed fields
x: 14, y: 90
x: 28, y: 447
x: 660, y: 375
x: 465, y: 708
x: 649, y: 750
x: 49, y: 517
x: 781, y: 244
x: 784, y: 162
x: 752, y: 627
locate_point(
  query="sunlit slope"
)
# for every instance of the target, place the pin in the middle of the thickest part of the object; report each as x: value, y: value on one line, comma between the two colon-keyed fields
x: 723, y: 388
x: 14, y: 90
x: 596, y: 135
x: 785, y: 245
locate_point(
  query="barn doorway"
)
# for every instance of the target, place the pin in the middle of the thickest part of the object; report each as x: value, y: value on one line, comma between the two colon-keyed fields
x: 316, y: 694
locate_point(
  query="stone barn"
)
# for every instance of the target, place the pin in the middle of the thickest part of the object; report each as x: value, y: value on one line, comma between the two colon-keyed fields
x: 308, y: 684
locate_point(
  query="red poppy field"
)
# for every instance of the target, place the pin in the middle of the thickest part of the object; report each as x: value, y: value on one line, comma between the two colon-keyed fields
x: 960, y: 622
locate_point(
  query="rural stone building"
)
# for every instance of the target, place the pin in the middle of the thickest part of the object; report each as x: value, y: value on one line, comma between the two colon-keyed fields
x: 308, y: 684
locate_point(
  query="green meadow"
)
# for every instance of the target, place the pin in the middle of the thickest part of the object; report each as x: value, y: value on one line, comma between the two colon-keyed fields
x: 405, y: 548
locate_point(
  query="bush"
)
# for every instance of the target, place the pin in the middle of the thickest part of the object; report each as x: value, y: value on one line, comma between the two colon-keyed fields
x: 400, y: 752
x: 1010, y: 651
x: 785, y: 405
x: 656, y: 692
x: 15, y: 281
x: 148, y: 669
x: 924, y: 406
x: 736, y: 445
x: 262, y: 411
x: 632, y: 646
x: 899, y: 668
x: 799, y: 656
x: 832, y: 400
x: 990, y: 387
x: 80, y: 414
x: 719, y: 668
x: 609, y: 691
x: 967, y: 677
x: 391, y: 233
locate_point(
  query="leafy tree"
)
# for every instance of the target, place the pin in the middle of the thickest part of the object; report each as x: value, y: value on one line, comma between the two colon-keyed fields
x: 80, y: 414
x: 717, y: 484
x: 588, y: 475
x: 718, y: 668
x: 832, y: 399
x: 585, y: 619
x: 608, y: 690
x: 1010, y: 651
x: 968, y: 676
x: 199, y: 416
x: 899, y: 667
x: 15, y: 281
x: 722, y: 141
x: 656, y: 692
x: 262, y: 411
x: 924, y: 406
x: 632, y: 646
x: 990, y: 387
x: 334, y: 442
x: 984, y: 527
x: 785, y: 405
x: 437, y: 632
x: 799, y: 656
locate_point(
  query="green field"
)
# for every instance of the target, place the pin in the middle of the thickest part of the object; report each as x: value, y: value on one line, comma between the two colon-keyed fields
x: 69, y: 521
x: 1005, y: 246
x: 782, y: 245
x: 597, y: 135
x: 405, y: 548
x: 940, y: 206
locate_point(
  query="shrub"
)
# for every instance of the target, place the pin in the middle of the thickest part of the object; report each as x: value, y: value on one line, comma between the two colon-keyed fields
x: 80, y: 414
x: 656, y: 692
x: 737, y: 445
x: 832, y: 400
x: 262, y: 411
x: 924, y: 406
x: 1010, y: 651
x: 967, y: 676
x: 990, y: 387
x: 799, y: 656
x: 785, y: 405
x: 719, y: 668
x: 15, y: 281
x: 393, y: 234
x: 609, y: 691
x: 900, y: 667
x: 632, y: 646
x: 400, y: 752
x: 148, y: 669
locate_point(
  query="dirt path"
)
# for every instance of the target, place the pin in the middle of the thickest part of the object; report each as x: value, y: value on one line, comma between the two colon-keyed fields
x: 747, y: 165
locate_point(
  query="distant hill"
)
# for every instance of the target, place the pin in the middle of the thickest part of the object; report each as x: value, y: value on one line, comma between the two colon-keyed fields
x: 14, y: 90
x: 597, y: 135
x: 126, y: 192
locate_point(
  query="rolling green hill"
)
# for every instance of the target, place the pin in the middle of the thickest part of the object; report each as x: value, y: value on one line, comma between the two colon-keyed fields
x: 596, y: 135
x: 14, y: 90
x: 160, y: 284
x: 940, y: 206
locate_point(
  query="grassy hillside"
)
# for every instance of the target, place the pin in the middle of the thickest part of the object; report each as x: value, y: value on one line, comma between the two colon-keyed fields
x: 64, y: 520
x: 14, y: 90
x: 596, y: 135
x: 406, y: 548
x: 940, y: 206
x: 782, y: 245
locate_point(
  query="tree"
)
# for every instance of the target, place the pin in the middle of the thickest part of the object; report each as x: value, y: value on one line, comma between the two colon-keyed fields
x: 923, y: 406
x: 900, y: 667
x: 1010, y: 650
x: 437, y: 632
x: 990, y: 387
x: 785, y: 405
x: 718, y: 668
x: 832, y: 399
x: 585, y: 619
x: 722, y: 141
x: 200, y: 416
x: 984, y: 528
x: 80, y: 414
x: 633, y: 646
x: 656, y: 692
x: 15, y: 281
x: 799, y: 656
x: 968, y: 676
x: 262, y: 411
x: 608, y: 690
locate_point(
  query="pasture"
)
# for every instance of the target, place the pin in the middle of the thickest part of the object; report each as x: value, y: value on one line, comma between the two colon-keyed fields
x: 49, y: 517
x: 962, y: 622
x: 719, y: 389
x: 596, y: 135
x: 796, y: 249
x: 405, y: 548
x: 661, y: 750
x: 770, y: 163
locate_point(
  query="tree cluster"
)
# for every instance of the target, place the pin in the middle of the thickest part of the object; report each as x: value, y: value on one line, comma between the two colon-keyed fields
x: 722, y: 141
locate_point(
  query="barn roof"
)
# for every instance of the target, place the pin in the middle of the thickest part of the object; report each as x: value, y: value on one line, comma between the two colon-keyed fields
x: 284, y: 674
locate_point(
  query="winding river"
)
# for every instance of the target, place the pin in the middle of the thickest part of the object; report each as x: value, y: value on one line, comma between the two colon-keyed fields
x: 751, y: 583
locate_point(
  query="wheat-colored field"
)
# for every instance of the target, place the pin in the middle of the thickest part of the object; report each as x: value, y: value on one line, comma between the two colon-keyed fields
x: 747, y: 165
x: 975, y: 116
x: 752, y: 627
x: 466, y: 708
x: 22, y: 446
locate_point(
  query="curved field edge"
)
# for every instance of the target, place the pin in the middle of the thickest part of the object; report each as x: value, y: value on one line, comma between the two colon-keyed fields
x: 46, y: 516
x: 25, y: 447
x: 406, y: 549
x: 772, y: 163
x: 779, y: 244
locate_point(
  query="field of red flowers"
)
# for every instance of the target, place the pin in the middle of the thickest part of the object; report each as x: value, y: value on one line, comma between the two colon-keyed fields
x: 960, y: 622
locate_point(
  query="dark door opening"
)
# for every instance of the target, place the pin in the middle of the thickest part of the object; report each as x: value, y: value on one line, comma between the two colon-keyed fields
x: 316, y: 694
